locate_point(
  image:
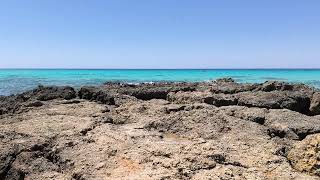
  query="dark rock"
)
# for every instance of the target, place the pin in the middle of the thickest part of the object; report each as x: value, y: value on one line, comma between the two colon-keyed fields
x: 150, y: 91
x: 315, y: 104
x: 53, y: 92
x: 6, y: 161
x: 96, y: 94
x: 219, y: 158
x: 275, y: 100
x: 257, y: 115
x: 221, y: 100
x: 35, y: 104
x: 288, y: 124
x: 71, y: 102
x: 225, y: 80
x: 229, y: 86
x: 17, y: 103
x: 276, y: 85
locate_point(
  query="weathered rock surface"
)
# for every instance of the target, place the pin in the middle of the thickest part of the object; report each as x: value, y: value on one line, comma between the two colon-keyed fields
x: 315, y: 103
x: 96, y: 94
x: 305, y: 156
x: 161, y: 131
x: 33, y: 98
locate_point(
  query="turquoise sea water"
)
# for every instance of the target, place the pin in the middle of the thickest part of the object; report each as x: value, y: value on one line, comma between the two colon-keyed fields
x: 17, y: 80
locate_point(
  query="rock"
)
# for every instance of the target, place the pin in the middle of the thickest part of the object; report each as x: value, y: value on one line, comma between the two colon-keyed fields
x: 71, y: 102
x: 276, y: 85
x: 18, y: 103
x: 257, y: 115
x: 175, y: 108
x: 315, y: 104
x: 96, y: 94
x: 229, y: 86
x: 10, y: 104
x: 295, y: 101
x: 224, y: 80
x: 35, y: 104
x: 188, y: 97
x: 292, y: 125
x: 305, y: 156
x: 124, y: 131
x: 157, y: 90
x: 49, y: 93
x: 221, y: 100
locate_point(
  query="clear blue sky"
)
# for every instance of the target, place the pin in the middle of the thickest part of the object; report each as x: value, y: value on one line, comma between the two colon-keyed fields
x: 160, y: 34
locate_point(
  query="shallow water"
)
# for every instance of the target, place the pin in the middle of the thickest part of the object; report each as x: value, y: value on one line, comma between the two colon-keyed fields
x: 18, y: 80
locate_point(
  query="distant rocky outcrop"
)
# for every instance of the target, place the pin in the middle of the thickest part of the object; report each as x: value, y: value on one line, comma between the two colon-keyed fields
x: 33, y: 98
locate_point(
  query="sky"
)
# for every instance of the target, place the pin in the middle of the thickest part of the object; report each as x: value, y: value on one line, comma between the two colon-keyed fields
x: 159, y: 34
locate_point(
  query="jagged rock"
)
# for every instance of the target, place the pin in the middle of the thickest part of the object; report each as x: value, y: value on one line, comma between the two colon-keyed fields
x: 156, y: 91
x: 224, y: 80
x: 295, y: 101
x: 293, y: 125
x: 257, y: 115
x: 188, y: 97
x: 229, y: 86
x: 276, y: 85
x: 48, y: 93
x: 221, y: 100
x: 305, y: 156
x: 190, y: 134
x: 96, y: 94
x: 17, y: 103
x: 315, y: 104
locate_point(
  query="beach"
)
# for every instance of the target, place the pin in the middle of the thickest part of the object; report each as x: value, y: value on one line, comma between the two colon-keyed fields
x: 218, y: 129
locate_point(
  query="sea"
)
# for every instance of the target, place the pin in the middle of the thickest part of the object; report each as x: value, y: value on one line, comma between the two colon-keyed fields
x: 13, y: 81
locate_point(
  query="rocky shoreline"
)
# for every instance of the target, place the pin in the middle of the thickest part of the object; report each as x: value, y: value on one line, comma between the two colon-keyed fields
x: 207, y: 130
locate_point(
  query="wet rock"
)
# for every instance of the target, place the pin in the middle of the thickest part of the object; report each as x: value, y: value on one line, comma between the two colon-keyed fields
x: 315, y: 104
x: 305, y: 156
x: 224, y: 80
